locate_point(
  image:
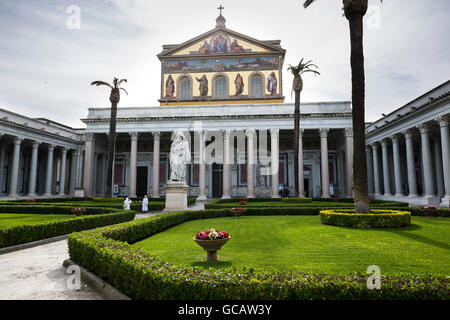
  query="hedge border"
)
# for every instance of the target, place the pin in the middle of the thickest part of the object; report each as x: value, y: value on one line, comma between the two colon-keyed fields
x: 25, y: 233
x: 139, y: 275
x: 376, y: 219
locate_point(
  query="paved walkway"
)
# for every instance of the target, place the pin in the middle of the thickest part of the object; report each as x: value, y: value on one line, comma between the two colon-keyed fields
x: 37, y: 273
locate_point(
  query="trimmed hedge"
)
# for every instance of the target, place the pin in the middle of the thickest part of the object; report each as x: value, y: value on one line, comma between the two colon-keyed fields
x: 297, y: 200
x: 53, y: 209
x: 140, y: 275
x: 42, y: 230
x: 376, y: 219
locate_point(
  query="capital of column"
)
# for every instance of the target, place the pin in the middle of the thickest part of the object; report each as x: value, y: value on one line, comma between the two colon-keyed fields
x: 324, y: 133
x: 64, y: 150
x: 368, y: 148
x: 156, y: 135
x: 409, y: 133
x: 424, y: 128
x: 348, y: 132
x: 89, y: 137
x: 443, y: 121
x: 51, y: 147
x: 395, y: 138
x: 134, y: 136
x: 250, y: 133
x: 18, y: 140
x: 385, y: 142
x: 375, y: 146
x: 35, y: 144
x: 226, y: 133
x: 274, y: 132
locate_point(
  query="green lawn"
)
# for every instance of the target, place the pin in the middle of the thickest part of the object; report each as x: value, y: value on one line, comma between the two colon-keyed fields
x: 15, y: 219
x: 303, y: 244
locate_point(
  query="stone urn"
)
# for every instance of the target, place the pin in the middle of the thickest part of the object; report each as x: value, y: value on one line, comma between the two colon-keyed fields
x: 237, y: 212
x: 211, y: 247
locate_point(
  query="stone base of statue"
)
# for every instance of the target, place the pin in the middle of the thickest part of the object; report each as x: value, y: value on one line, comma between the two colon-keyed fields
x: 176, y: 195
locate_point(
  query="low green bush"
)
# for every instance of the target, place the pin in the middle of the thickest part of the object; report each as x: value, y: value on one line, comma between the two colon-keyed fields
x: 51, y: 209
x: 376, y: 219
x: 140, y: 275
x: 37, y: 231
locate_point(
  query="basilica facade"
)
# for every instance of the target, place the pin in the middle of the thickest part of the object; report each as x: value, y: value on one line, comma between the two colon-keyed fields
x: 224, y: 90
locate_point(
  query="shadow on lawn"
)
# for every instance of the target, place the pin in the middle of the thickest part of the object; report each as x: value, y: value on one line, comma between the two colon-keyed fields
x: 214, y: 265
x: 404, y: 233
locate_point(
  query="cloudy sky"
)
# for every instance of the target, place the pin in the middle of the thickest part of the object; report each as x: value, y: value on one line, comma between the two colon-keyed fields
x: 46, y: 67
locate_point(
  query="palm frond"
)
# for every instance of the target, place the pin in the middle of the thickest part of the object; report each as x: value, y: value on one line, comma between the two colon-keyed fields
x: 124, y: 90
x: 120, y: 81
x: 307, y: 3
x: 101, y: 83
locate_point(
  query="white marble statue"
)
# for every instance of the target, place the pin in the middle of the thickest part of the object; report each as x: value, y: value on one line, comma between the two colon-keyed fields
x: 179, y: 156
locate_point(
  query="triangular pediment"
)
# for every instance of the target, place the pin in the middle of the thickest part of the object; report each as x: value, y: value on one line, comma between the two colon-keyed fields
x: 221, y: 41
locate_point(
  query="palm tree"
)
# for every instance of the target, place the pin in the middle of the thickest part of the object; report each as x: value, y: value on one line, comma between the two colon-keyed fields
x: 297, y: 86
x: 354, y: 11
x: 114, y: 98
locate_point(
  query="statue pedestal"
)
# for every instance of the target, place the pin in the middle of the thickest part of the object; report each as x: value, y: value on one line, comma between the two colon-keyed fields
x: 176, y: 196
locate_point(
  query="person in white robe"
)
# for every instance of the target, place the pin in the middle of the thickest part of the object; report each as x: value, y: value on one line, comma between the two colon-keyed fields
x: 145, y: 204
x: 127, y: 203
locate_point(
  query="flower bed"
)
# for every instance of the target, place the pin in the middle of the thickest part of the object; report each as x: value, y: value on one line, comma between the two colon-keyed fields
x: 376, y: 219
x: 92, y: 218
x: 140, y: 275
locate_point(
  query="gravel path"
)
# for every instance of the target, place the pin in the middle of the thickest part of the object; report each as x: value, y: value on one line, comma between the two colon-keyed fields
x: 37, y: 273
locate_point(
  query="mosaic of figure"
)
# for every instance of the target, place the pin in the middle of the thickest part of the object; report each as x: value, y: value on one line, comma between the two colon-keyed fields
x: 205, y: 48
x: 239, y: 83
x: 236, y: 48
x: 170, y: 87
x: 203, y: 86
x: 220, y: 44
x: 272, y: 84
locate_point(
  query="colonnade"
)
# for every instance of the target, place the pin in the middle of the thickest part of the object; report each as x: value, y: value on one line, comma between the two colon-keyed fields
x: 17, y: 150
x: 434, y: 164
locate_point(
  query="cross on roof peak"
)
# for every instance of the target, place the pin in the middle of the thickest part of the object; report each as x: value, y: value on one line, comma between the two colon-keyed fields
x: 221, y: 8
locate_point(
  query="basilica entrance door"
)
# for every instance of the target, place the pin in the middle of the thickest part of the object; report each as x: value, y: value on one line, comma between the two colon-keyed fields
x: 217, y: 177
x: 141, y: 183
x: 306, y: 186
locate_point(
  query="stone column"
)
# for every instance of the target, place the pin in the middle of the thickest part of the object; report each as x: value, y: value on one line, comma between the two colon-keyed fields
x: 73, y: 170
x: 349, y: 161
x: 2, y: 164
x: 376, y: 170
x: 49, y: 173
x: 155, y: 173
x: 426, y: 158
x: 324, y: 163
x: 250, y: 163
x: 369, y: 164
x: 301, y: 178
x: 386, y: 170
x: 226, y: 164
x: 412, y: 184
x: 133, y: 163
x: 89, y: 154
x: 438, y: 167
x: 201, y: 166
x: 62, y: 179
x: 15, y: 167
x: 445, y: 146
x: 397, y: 166
x: 33, y: 169
x: 275, y: 161
x: 79, y: 177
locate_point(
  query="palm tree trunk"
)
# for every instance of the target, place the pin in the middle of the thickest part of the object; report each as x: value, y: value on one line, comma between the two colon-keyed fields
x: 296, y: 138
x: 361, y: 194
x: 111, y: 150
